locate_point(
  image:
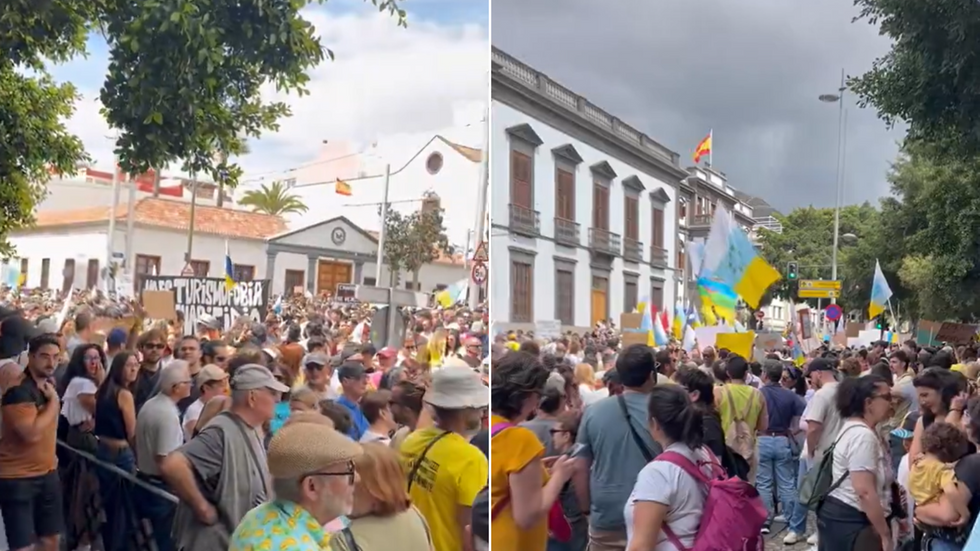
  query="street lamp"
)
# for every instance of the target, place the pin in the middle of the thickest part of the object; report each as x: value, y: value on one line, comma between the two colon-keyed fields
x: 837, y: 98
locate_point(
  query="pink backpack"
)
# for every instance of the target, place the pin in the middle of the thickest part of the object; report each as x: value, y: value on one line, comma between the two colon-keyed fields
x: 733, y: 514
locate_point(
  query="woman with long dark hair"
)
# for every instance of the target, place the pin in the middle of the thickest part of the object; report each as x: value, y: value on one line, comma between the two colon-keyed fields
x: 78, y: 387
x: 665, y: 499
x: 115, y: 426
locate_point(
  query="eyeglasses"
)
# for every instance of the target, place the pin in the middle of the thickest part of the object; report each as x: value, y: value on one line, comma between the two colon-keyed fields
x: 154, y: 345
x: 315, y: 367
x: 559, y: 431
x: 92, y: 358
x: 349, y: 473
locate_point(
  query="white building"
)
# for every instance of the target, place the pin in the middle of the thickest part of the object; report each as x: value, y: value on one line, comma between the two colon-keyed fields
x: 584, y: 208
x: 72, y: 245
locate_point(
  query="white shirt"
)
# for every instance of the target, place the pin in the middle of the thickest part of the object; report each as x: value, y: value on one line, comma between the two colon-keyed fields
x: 588, y: 394
x: 71, y: 408
x: 193, y: 413
x: 371, y: 436
x: 858, y: 449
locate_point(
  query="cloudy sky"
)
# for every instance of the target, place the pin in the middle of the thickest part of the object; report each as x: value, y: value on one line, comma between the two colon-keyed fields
x: 749, y: 70
x: 385, y: 80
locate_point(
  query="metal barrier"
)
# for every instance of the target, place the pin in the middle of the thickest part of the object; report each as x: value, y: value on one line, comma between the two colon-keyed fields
x: 104, y: 504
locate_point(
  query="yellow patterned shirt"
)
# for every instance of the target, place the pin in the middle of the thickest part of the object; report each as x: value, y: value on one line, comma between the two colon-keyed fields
x: 279, y: 526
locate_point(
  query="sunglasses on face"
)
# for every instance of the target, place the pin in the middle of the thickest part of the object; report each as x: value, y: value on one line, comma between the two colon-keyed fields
x: 154, y: 346
x: 92, y: 359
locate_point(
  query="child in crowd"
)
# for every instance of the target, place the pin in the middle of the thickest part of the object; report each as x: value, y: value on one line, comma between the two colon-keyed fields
x: 905, y: 433
x: 932, y: 473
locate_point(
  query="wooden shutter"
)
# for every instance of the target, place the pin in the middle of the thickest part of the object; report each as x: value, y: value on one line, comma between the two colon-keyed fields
x: 565, y: 195
x: 600, y: 206
x: 521, y: 193
x: 632, y: 218
x: 658, y: 227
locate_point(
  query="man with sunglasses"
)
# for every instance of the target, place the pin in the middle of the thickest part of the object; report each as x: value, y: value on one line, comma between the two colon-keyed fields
x: 313, y: 475
x: 318, y: 370
x: 151, y: 345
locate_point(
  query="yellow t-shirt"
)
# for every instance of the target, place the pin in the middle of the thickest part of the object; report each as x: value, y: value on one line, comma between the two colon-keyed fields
x: 511, y: 450
x: 740, y: 395
x: 927, y: 478
x: 452, y: 472
x: 957, y: 368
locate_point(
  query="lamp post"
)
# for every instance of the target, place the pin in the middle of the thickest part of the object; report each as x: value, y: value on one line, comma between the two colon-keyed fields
x: 839, y: 99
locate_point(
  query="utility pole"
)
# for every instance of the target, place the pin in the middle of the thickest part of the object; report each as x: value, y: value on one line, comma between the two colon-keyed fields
x: 130, y: 223
x: 113, y: 211
x: 481, y: 206
x: 384, y: 226
x: 190, y: 225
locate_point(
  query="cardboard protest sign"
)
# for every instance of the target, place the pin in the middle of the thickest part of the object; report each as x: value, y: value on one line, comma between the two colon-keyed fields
x: 629, y: 324
x: 956, y: 333
x: 196, y: 296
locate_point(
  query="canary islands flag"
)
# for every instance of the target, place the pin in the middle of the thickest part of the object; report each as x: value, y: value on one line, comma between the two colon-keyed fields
x: 731, y: 259
x: 343, y: 188
x: 229, y: 270
x: 880, y: 292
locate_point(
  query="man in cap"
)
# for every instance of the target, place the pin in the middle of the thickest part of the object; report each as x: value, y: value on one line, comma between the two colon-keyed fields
x: 208, y: 327
x: 446, y: 472
x: 158, y: 433
x: 318, y: 369
x: 115, y: 342
x: 227, y: 456
x: 313, y: 477
x: 211, y: 381
x: 353, y: 381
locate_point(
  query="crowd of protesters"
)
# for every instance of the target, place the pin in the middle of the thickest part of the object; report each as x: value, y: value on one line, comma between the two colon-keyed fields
x: 847, y: 449
x: 297, y: 432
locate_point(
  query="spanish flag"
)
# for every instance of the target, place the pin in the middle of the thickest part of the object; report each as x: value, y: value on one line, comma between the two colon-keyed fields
x: 343, y: 188
x: 703, y: 148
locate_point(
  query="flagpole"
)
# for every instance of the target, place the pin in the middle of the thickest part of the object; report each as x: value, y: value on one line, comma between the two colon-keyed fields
x: 711, y: 149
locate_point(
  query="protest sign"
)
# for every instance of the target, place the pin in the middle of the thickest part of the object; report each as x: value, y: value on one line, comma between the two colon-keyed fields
x: 196, y: 296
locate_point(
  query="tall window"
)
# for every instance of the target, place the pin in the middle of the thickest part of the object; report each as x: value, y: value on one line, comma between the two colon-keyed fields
x: 565, y: 295
x: 657, y: 295
x: 24, y: 264
x: 147, y: 265
x: 69, y: 275
x: 201, y: 267
x: 45, y: 272
x: 294, y: 279
x: 522, y: 291
x: 521, y: 180
x: 564, y: 194
x: 92, y: 274
x: 658, y: 226
x: 242, y: 272
x: 600, y: 206
x: 631, y: 296
x: 632, y: 208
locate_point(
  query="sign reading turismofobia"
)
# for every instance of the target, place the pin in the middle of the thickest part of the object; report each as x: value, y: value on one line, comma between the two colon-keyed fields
x: 196, y: 296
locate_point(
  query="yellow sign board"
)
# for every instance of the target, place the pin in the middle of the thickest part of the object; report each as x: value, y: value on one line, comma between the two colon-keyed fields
x: 819, y: 293
x: 819, y: 284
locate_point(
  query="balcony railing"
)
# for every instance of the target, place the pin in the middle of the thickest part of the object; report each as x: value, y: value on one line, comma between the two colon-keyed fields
x: 701, y: 220
x: 632, y: 250
x: 658, y: 256
x: 525, y: 221
x: 567, y: 232
x: 604, y: 241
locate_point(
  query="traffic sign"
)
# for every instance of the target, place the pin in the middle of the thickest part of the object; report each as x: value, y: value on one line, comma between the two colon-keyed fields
x: 481, y: 253
x: 818, y: 293
x: 188, y: 271
x: 819, y: 284
x: 479, y: 273
x: 760, y: 315
x: 833, y: 312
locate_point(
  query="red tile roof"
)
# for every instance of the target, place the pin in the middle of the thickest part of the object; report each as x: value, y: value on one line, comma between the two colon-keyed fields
x: 174, y: 215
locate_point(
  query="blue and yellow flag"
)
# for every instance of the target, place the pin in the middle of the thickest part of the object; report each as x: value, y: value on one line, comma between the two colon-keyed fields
x: 229, y: 270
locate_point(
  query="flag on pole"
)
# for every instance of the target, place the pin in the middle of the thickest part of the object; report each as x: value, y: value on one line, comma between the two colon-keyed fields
x: 678, y: 326
x: 703, y: 148
x: 660, y: 332
x: 731, y: 259
x: 646, y: 326
x: 343, y: 188
x: 229, y: 269
x: 880, y: 292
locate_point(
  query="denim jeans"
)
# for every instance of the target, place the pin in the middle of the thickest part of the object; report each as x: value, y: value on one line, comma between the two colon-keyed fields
x: 935, y: 544
x: 797, y: 521
x: 776, y: 465
x: 158, y: 510
x: 118, y: 527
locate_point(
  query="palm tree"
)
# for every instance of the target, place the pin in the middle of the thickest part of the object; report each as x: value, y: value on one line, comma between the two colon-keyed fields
x: 274, y: 199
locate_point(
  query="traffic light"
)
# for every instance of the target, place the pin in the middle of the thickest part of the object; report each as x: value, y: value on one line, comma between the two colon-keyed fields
x: 791, y: 270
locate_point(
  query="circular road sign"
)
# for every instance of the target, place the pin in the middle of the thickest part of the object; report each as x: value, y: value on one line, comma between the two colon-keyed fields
x: 759, y: 315
x: 833, y: 312
x: 479, y: 273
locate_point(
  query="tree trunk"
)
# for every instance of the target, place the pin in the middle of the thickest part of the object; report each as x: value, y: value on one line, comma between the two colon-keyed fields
x: 221, y: 193
x: 156, y: 182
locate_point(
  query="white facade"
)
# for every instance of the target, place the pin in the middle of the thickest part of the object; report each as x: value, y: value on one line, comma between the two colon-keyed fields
x: 502, y: 244
x: 81, y: 244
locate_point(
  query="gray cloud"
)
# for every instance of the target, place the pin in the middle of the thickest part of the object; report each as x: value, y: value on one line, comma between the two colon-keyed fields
x: 750, y: 69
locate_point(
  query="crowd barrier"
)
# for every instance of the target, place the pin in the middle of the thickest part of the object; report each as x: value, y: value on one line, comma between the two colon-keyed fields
x: 103, y: 504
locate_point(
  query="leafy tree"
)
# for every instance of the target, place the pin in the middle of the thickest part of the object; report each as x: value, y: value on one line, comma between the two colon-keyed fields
x: 416, y: 239
x: 930, y: 78
x: 275, y: 199
x: 807, y: 239
x: 184, y: 80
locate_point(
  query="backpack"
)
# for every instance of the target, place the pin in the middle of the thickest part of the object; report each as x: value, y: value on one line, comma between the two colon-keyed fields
x: 559, y: 528
x: 739, y: 436
x: 819, y: 481
x: 733, y: 514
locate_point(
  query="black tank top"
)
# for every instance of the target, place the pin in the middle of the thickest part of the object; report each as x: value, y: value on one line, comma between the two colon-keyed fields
x: 108, y: 418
